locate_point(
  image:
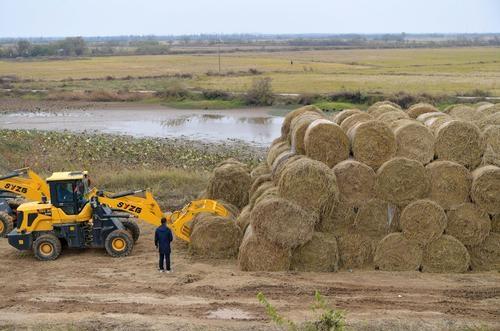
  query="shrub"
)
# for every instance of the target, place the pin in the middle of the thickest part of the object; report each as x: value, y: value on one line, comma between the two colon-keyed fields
x: 176, y: 91
x: 260, y: 93
x: 216, y: 94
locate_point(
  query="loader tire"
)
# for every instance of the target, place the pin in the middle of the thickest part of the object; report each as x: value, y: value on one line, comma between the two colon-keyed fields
x: 133, y: 228
x: 47, y: 247
x: 119, y: 243
x: 16, y: 202
x: 6, y: 224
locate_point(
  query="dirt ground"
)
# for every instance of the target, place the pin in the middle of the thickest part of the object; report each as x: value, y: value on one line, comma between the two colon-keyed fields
x: 88, y: 290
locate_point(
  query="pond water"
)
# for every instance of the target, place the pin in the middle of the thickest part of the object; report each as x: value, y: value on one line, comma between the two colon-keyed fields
x: 252, y: 125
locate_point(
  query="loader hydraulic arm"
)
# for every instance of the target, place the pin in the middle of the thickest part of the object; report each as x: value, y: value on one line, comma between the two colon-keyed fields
x: 147, y: 209
x: 26, y: 183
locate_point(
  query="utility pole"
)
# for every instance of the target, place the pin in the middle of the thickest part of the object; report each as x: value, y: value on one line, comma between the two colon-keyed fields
x: 218, y: 51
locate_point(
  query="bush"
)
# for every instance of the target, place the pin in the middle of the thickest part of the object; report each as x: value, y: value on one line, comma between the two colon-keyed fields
x: 216, y: 94
x: 176, y: 91
x: 349, y: 96
x: 260, y: 93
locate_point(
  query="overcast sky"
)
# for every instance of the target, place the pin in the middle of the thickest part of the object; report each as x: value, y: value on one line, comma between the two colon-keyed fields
x: 46, y: 18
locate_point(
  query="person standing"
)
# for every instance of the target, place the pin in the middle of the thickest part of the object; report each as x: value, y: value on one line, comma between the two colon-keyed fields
x: 163, y: 238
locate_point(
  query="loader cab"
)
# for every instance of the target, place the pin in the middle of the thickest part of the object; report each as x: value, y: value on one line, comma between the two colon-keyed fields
x: 68, y: 190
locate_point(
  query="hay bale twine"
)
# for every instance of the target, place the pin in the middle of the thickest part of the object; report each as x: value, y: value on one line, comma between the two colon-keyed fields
x: 243, y: 219
x: 495, y: 223
x: 352, y: 120
x: 259, y: 254
x: 283, y: 222
x: 465, y: 113
x: 341, y: 116
x: 383, y: 109
x: 381, y: 103
x: 215, y: 237
x: 489, y: 120
x: 355, y: 251
x: 414, y: 141
x: 259, y: 170
x: 276, y: 150
x: 320, y: 254
x: 446, y: 254
x: 356, y: 181
x: 485, y: 191
x: 486, y: 256
x: 427, y: 116
x: 372, y: 143
x: 397, y: 253
x: 287, y: 121
x: 308, y: 183
x: 450, y: 183
x: 468, y: 223
x: 230, y: 182
x: 259, y: 191
x: 401, y: 180
x: 298, y: 131
x: 338, y: 219
x: 393, y: 116
x: 461, y: 142
x: 421, y: 108
x: 491, y: 136
x: 423, y: 221
x: 325, y: 141
x: 258, y: 182
x: 374, y: 219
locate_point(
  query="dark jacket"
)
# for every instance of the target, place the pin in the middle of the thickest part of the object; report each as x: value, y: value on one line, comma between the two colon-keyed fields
x: 163, y: 237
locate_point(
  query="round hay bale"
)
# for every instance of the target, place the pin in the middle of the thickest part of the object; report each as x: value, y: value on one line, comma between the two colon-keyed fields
x: 259, y: 191
x: 414, y: 141
x: 271, y: 192
x: 488, y: 110
x: 485, y: 191
x: 427, y: 116
x: 259, y: 254
x: 397, y: 253
x: 460, y: 142
x: 482, y: 104
x: 230, y: 183
x: 340, y: 117
x: 261, y: 169
x: 283, y: 222
x: 308, y: 183
x: 287, y: 121
x: 489, y: 120
x: 282, y: 162
x: 243, y: 219
x: 421, y: 108
x: 276, y: 150
x: 320, y: 254
x: 372, y: 143
x: 450, y: 183
x: 491, y: 135
x: 258, y: 182
x: 465, y: 113
x: 352, y: 120
x: 423, y: 221
x: 383, y: 109
x: 495, y: 223
x: 356, y: 181
x: 381, y: 103
x: 355, y: 251
x: 401, y: 180
x: 217, y: 237
x: 468, y: 223
x: 232, y: 161
x: 435, y: 122
x: 232, y: 209
x: 445, y: 254
x: 486, y: 256
x: 299, y: 128
x: 337, y: 220
x: 374, y: 219
x: 325, y: 141
x: 392, y: 116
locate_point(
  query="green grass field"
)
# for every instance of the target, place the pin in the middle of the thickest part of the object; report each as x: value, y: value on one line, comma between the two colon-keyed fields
x: 434, y: 71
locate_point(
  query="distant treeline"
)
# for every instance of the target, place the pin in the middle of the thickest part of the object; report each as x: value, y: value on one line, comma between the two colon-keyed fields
x: 155, y: 45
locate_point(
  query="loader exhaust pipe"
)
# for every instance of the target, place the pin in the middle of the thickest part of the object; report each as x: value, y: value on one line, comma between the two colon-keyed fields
x: 15, y: 173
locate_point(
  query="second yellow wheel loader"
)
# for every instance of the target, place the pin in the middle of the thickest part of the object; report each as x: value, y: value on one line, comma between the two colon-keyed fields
x: 82, y: 218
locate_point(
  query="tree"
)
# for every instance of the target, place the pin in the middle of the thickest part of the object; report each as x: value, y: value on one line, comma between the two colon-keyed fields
x: 23, y: 48
x: 72, y: 46
x: 260, y: 93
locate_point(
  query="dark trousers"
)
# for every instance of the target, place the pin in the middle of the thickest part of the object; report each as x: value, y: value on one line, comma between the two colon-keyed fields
x: 164, y: 260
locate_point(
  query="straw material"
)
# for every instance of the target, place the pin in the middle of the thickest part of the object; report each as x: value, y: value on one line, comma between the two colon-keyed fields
x: 356, y: 181
x: 450, y: 183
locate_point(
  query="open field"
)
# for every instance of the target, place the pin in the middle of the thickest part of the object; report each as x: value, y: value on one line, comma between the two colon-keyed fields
x: 434, y: 71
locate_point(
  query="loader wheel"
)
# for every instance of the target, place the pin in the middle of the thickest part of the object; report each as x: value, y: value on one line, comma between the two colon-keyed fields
x: 6, y: 224
x: 133, y: 228
x: 47, y: 247
x: 119, y: 243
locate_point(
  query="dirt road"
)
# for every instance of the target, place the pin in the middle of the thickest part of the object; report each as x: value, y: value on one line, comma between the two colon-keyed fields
x: 86, y: 290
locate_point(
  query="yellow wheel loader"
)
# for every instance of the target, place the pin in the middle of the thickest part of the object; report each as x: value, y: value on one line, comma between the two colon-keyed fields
x: 83, y: 218
x: 15, y: 188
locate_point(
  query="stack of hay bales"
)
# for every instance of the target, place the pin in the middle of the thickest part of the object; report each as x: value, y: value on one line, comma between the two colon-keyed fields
x: 386, y: 188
